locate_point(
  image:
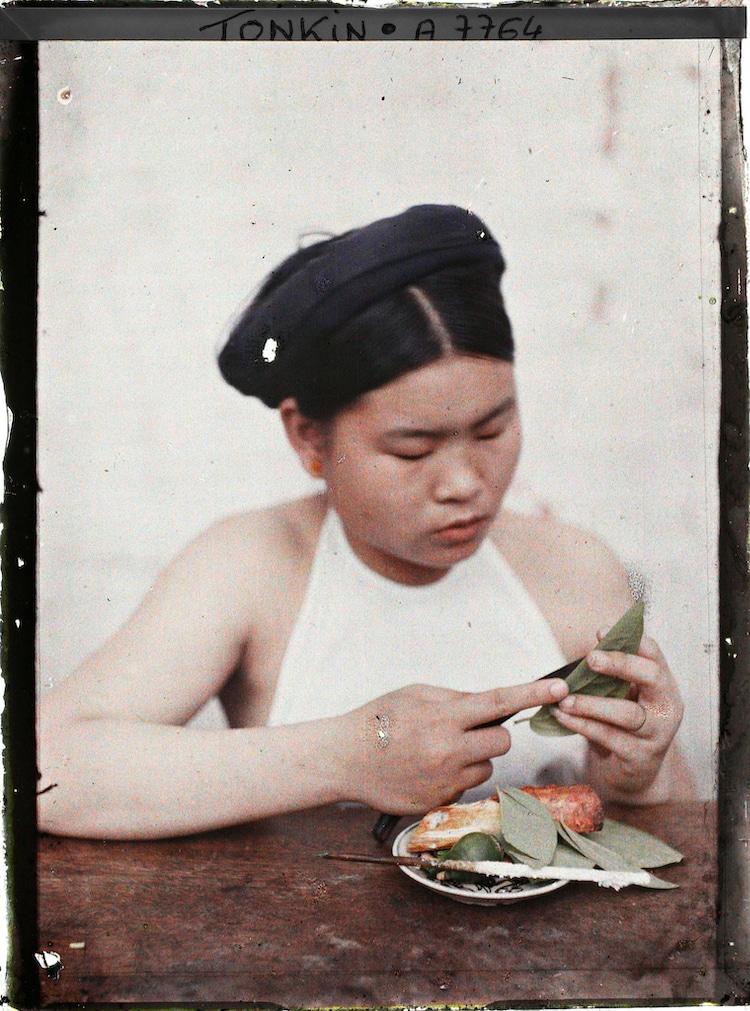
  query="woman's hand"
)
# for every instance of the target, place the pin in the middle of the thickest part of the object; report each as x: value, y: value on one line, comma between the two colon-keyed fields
x: 421, y: 746
x: 631, y: 755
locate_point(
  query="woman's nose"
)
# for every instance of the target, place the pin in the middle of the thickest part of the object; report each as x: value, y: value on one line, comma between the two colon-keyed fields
x: 458, y: 478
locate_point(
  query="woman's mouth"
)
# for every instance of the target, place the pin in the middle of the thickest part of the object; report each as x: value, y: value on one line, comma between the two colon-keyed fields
x: 462, y: 531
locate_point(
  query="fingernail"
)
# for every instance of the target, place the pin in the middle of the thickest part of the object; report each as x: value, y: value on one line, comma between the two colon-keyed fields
x: 596, y: 660
x: 559, y: 689
x: 566, y: 704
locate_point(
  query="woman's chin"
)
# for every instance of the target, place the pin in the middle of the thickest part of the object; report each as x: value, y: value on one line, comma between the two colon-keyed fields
x: 460, y: 551
x: 423, y: 564
x: 434, y: 564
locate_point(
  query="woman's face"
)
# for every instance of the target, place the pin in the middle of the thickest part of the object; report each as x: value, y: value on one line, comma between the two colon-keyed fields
x: 417, y: 469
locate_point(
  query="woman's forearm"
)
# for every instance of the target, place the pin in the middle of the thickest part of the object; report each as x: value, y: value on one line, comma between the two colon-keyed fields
x: 106, y: 776
x: 123, y: 779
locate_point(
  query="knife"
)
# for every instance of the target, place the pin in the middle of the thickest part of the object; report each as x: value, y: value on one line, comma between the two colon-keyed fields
x: 387, y: 822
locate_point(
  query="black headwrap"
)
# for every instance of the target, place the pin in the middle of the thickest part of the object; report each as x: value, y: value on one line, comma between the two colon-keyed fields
x: 323, y: 286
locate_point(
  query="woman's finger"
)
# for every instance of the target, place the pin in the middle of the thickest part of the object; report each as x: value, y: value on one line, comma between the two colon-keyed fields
x: 614, y: 739
x: 639, y: 670
x: 650, y: 649
x: 482, y: 744
x: 473, y: 709
x: 627, y: 715
x: 475, y: 775
x: 453, y: 798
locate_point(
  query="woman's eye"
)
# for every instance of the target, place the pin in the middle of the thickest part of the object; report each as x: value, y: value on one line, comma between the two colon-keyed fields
x: 493, y: 433
x: 412, y: 455
x: 410, y: 452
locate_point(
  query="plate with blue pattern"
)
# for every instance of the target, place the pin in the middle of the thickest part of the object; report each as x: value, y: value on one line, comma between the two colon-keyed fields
x: 497, y: 891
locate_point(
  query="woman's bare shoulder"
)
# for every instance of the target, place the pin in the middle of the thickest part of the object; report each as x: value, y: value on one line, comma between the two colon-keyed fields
x: 279, y: 535
x: 240, y: 579
x: 575, y: 578
x: 553, y: 542
x: 243, y: 565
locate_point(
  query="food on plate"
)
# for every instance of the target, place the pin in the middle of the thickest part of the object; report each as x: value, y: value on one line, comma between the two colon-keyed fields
x: 444, y: 826
x: 528, y: 830
x: 578, y: 806
x: 539, y: 830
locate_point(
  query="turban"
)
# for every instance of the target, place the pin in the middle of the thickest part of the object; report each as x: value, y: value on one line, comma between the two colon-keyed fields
x: 323, y: 286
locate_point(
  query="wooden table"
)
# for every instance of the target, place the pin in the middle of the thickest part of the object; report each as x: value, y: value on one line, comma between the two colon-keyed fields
x: 251, y: 914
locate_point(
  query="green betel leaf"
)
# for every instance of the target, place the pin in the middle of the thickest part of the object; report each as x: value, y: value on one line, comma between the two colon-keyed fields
x: 639, y: 847
x: 566, y: 856
x: 517, y: 857
x: 624, y: 637
x: 545, y: 724
x: 527, y: 827
x: 654, y: 882
x: 607, y: 859
x: 606, y: 687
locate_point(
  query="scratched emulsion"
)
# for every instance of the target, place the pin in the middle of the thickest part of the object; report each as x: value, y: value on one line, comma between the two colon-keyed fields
x: 638, y: 585
x: 382, y: 724
x: 601, y: 305
x: 611, y: 93
x: 51, y: 962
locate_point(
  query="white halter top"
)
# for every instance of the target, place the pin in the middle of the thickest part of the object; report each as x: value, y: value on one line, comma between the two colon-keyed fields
x: 359, y: 635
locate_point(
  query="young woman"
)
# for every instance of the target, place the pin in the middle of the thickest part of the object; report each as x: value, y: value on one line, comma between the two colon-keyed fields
x: 358, y: 639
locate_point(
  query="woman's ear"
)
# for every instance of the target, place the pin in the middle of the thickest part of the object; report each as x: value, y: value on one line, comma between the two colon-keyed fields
x: 306, y: 436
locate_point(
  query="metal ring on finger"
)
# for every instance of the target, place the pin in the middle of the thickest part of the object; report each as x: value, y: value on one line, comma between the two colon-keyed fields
x: 643, y: 720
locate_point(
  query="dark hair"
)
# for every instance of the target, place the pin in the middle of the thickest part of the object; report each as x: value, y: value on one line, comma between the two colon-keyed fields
x: 460, y: 310
x: 351, y: 313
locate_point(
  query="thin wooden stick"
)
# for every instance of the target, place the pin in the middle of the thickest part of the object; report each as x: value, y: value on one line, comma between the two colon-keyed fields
x: 365, y: 858
x: 503, y: 869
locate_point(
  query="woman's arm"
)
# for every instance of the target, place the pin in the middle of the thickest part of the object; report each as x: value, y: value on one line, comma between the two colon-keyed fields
x: 118, y: 762
x: 406, y: 752
x: 579, y: 583
x: 119, y: 779
x: 115, y: 755
x: 632, y: 755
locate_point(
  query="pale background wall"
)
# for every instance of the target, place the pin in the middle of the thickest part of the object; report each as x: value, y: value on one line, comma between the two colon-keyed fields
x: 179, y: 173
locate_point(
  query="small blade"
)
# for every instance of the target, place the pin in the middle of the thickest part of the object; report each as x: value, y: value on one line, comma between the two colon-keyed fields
x: 561, y: 672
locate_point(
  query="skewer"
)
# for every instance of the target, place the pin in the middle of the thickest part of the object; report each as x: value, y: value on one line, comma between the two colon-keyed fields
x: 503, y: 869
x: 365, y: 858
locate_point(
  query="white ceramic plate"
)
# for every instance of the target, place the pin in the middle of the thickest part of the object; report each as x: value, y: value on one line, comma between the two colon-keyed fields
x: 501, y: 892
